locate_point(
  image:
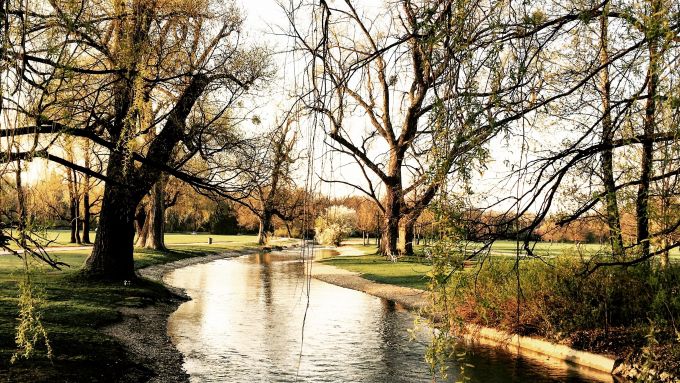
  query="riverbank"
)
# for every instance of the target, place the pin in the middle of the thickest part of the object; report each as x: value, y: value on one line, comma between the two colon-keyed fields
x: 143, y: 330
x: 371, y: 274
x: 101, y: 332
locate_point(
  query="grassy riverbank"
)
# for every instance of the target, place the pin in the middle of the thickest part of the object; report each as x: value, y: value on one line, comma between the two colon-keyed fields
x: 74, y: 311
x: 408, y: 272
x: 631, y: 312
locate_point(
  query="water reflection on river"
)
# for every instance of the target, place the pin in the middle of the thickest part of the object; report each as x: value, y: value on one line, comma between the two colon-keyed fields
x: 244, y: 324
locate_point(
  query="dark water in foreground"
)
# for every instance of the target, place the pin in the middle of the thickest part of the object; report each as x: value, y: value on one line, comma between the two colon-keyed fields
x: 244, y: 324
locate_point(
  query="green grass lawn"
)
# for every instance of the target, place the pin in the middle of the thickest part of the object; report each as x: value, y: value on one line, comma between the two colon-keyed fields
x: 57, y: 237
x: 75, y: 309
x: 411, y: 271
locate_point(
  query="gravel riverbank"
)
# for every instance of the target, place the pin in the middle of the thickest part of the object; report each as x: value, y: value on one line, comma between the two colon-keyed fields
x: 143, y: 330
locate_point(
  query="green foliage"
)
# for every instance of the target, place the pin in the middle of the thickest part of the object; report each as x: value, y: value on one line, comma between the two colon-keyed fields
x: 30, y: 329
x: 555, y: 298
x: 334, y: 225
x: 223, y: 220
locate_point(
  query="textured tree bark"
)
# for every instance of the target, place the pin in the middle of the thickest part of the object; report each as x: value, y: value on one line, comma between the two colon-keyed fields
x: 265, y: 228
x: 390, y: 234
x: 155, y: 225
x: 112, y: 256
x: 611, y: 203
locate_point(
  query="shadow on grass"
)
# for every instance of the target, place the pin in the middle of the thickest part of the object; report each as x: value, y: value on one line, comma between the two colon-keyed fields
x: 75, y: 309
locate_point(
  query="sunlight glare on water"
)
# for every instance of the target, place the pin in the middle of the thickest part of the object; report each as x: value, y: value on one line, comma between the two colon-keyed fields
x: 245, y: 324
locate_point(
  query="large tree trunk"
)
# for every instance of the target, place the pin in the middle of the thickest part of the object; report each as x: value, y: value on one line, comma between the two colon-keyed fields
x: 155, y: 221
x: 265, y: 228
x: 390, y: 234
x: 112, y: 256
x: 406, y: 235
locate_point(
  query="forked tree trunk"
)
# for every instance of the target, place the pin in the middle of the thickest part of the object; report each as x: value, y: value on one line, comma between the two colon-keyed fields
x: 265, y: 228
x: 112, y: 257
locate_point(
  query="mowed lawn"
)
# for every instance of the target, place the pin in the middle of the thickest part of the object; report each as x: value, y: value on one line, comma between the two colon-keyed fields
x: 60, y: 238
x: 412, y: 271
x: 183, y: 244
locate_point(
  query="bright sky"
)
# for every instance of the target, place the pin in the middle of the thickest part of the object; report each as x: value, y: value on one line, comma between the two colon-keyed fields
x: 266, y: 19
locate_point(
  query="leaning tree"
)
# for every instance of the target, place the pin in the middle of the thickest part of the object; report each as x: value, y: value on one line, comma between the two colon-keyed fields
x: 126, y: 75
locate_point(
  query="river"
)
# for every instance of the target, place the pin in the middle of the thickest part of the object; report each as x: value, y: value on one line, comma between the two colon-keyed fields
x: 245, y: 324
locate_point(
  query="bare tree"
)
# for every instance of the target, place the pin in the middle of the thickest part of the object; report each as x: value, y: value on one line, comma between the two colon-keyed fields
x: 271, y: 164
x: 616, y: 90
x: 434, y: 81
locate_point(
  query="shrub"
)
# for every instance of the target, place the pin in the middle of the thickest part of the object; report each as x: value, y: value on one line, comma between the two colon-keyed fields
x: 334, y: 225
x: 556, y: 298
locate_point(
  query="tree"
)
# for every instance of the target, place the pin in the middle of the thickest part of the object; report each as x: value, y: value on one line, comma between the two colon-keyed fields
x: 150, y: 221
x: 223, y: 220
x: 270, y: 168
x: 367, y: 216
x: 334, y: 225
x: 623, y: 121
x: 434, y: 81
x: 159, y: 59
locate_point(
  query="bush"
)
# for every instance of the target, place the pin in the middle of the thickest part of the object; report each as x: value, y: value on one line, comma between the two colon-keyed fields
x: 223, y: 220
x: 282, y: 231
x: 334, y: 225
x: 556, y: 298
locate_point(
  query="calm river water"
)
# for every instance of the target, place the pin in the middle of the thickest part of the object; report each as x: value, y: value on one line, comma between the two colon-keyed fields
x: 245, y: 324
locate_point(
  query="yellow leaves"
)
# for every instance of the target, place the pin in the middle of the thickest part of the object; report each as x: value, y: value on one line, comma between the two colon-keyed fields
x: 187, y: 7
x: 30, y: 329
